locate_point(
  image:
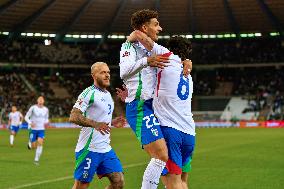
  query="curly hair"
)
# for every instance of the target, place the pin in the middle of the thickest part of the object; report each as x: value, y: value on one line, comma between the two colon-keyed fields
x: 140, y: 17
x: 180, y: 46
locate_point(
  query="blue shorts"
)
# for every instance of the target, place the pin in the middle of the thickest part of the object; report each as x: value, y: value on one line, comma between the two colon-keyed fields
x: 14, y: 128
x: 141, y: 118
x: 90, y: 163
x: 35, y: 134
x: 180, y: 148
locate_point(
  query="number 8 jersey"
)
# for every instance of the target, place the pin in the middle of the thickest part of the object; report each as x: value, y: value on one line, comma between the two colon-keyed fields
x: 172, y: 99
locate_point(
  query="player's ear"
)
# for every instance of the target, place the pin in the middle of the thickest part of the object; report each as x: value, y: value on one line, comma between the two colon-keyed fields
x: 144, y: 28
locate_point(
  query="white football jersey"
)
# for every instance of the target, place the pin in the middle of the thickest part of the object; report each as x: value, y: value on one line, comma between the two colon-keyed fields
x: 139, y: 78
x: 38, y: 116
x: 172, y: 99
x: 96, y: 105
x: 15, y: 118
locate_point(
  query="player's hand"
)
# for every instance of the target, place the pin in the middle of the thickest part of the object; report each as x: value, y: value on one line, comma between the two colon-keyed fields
x: 32, y: 125
x: 133, y: 36
x: 122, y: 93
x: 119, y: 122
x: 187, y: 67
x: 103, y: 128
x: 158, y: 61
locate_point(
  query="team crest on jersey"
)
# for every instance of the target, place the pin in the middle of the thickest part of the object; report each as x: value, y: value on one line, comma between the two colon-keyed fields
x: 85, y: 174
x: 80, y: 101
x: 155, y: 132
x: 126, y: 53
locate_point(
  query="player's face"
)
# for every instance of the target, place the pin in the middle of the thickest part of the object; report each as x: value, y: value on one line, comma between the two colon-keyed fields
x: 102, y: 77
x: 14, y: 108
x: 40, y: 101
x: 152, y: 29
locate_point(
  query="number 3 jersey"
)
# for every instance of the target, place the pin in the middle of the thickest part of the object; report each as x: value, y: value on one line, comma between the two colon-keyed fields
x: 97, y: 105
x: 172, y: 98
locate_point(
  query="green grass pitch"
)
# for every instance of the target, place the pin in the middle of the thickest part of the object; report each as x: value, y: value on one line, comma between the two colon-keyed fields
x: 225, y: 158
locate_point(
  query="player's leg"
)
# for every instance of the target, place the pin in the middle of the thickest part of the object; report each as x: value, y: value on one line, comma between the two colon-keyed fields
x: 39, y: 148
x: 116, y: 180
x: 184, y: 178
x: 85, y: 168
x: 187, y: 152
x: 172, y: 172
x: 29, y: 142
x: 111, y: 168
x: 33, y: 135
x: 146, y: 127
x: 13, y: 132
x: 80, y: 185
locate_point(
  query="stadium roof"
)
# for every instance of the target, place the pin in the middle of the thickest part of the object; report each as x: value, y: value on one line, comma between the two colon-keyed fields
x: 113, y: 16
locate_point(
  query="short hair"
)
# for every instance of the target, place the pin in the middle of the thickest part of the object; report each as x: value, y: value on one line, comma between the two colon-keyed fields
x: 140, y: 17
x: 180, y: 46
x: 95, y: 66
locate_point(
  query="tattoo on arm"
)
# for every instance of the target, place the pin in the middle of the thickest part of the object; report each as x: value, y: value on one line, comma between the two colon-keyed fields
x: 77, y: 118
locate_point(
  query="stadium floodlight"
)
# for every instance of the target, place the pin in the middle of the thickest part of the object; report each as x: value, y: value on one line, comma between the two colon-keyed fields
x: 91, y: 36
x: 44, y: 35
x: 189, y: 36
x: 52, y: 35
x: 23, y: 34
x: 5, y: 33
x: 251, y: 35
x: 112, y: 36
x: 212, y: 36
x: 47, y: 42
x: 83, y: 36
x: 220, y: 36
x: 244, y: 35
x: 167, y: 37
x: 98, y: 36
x: 233, y: 35
x: 257, y: 34
x: 75, y: 36
x: 197, y: 36
x: 68, y: 35
x: 121, y: 36
x: 274, y: 33
x: 37, y: 34
x: 204, y: 36
x: 227, y: 35
x: 30, y: 34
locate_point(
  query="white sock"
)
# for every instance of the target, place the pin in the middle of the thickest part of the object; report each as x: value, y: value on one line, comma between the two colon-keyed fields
x: 152, y: 174
x: 30, y: 144
x: 38, y: 153
x: 11, y: 139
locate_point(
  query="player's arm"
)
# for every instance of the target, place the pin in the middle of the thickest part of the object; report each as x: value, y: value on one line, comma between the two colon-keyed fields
x: 9, y: 120
x: 27, y: 117
x: 119, y: 122
x: 77, y: 117
x: 128, y: 65
x: 46, y: 118
x: 146, y: 41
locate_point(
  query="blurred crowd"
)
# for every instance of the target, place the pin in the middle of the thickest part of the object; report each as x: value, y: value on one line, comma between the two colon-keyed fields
x: 204, y: 52
x: 263, y: 87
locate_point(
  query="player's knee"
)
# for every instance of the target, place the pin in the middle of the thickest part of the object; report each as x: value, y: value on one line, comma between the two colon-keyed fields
x: 117, y: 182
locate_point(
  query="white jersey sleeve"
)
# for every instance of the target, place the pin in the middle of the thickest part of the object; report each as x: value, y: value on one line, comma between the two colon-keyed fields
x: 47, y: 116
x: 129, y: 66
x: 28, y: 115
x: 83, y: 101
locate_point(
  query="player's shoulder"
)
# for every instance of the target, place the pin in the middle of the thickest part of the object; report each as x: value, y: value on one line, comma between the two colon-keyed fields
x: 128, y: 46
x: 87, y: 91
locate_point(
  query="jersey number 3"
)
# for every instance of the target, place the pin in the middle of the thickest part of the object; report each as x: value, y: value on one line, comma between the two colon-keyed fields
x: 183, y: 87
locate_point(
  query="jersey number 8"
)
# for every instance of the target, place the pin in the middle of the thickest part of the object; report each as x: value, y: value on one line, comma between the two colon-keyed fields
x: 184, y: 82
